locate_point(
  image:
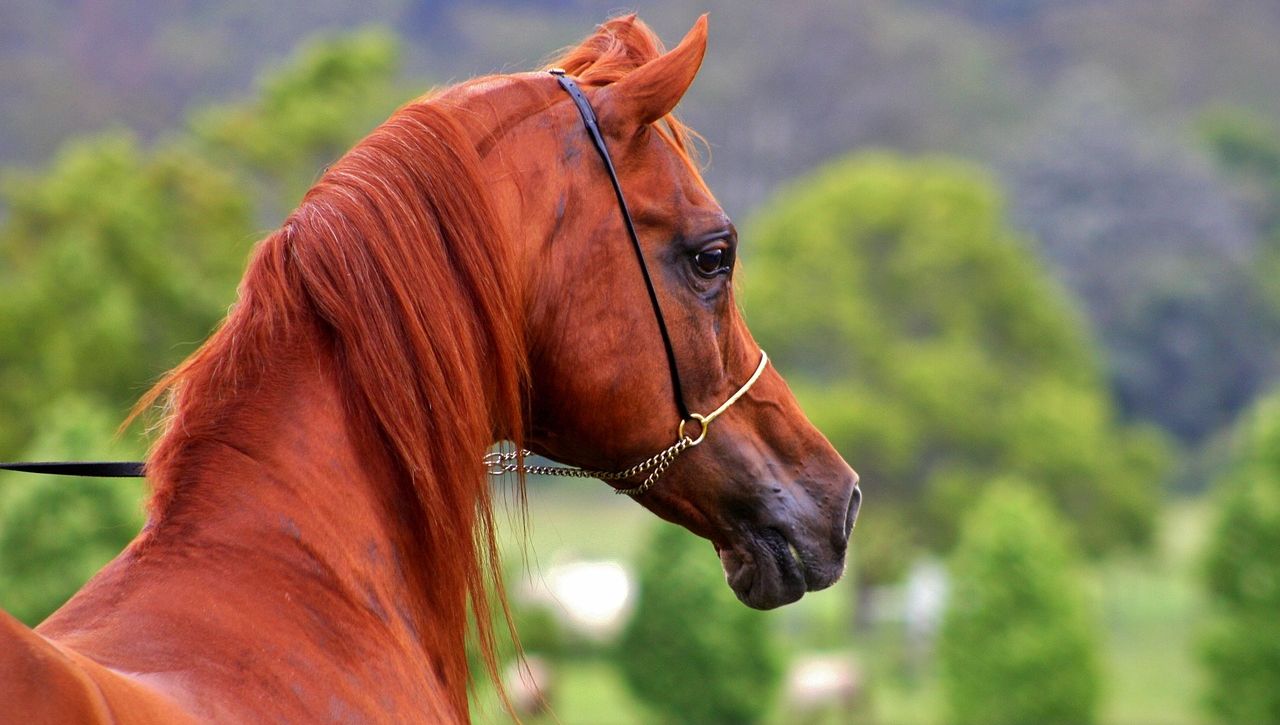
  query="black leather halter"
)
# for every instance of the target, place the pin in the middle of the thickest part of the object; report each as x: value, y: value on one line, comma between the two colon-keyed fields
x: 593, y: 130
x: 134, y: 469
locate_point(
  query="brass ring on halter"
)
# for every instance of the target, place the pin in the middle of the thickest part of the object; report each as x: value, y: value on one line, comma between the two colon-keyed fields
x: 701, y: 435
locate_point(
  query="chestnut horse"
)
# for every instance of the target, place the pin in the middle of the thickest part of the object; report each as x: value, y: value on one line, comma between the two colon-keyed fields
x: 321, y: 520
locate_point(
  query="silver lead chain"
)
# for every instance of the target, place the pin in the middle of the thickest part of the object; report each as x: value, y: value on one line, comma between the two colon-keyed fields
x: 500, y: 463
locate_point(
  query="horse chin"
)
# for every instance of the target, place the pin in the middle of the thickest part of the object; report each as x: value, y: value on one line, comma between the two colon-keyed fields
x: 763, y: 571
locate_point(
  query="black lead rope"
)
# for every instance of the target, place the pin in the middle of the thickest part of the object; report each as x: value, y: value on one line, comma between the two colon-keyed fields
x: 135, y: 469
x: 593, y: 129
x: 100, y: 469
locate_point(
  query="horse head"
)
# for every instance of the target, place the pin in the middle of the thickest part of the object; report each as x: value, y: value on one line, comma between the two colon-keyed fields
x: 763, y: 485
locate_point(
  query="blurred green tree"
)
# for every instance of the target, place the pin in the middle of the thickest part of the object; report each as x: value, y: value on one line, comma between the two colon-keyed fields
x: 1017, y: 644
x: 115, y: 260
x: 691, y: 651
x: 926, y: 341
x: 306, y: 114
x: 1241, y: 642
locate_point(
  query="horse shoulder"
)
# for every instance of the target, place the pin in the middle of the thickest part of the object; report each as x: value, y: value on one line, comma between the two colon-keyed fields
x: 46, y: 683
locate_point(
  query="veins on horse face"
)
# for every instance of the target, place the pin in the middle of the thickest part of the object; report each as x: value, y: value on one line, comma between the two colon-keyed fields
x: 562, y: 201
x: 572, y: 152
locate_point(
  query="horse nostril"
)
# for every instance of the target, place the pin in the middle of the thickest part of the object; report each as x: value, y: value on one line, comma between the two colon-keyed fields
x: 855, y: 501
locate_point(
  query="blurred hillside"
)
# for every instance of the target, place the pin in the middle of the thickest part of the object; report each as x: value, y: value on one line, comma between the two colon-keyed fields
x: 1089, y: 110
x: 801, y: 82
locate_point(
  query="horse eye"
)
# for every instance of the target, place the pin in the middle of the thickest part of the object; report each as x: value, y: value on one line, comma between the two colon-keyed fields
x: 711, y: 261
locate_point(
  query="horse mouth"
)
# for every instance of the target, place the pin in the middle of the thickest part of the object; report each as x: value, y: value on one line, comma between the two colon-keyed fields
x: 766, y: 570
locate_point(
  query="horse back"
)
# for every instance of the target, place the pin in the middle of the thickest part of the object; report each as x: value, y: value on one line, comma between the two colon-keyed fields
x: 42, y: 682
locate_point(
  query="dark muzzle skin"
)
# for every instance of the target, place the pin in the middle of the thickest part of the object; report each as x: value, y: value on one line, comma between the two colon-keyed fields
x: 789, y: 505
x: 801, y: 549
x: 799, y: 540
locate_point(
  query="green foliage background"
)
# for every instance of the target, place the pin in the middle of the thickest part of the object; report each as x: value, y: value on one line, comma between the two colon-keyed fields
x: 691, y: 651
x: 1018, y: 641
x: 117, y: 260
x: 1241, y: 640
x: 925, y: 339
x: 57, y: 532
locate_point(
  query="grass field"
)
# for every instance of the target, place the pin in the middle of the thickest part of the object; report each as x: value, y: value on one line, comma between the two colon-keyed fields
x: 1147, y: 606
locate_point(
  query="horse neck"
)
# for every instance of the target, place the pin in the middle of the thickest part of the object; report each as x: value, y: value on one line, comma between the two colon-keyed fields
x: 329, y: 434
x: 323, y: 529
x: 295, y: 460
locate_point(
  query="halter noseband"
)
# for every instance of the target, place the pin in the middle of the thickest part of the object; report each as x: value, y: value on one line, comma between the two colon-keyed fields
x: 498, y: 463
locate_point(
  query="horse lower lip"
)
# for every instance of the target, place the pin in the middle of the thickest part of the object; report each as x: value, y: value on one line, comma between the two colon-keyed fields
x: 780, y: 547
x: 739, y: 569
x: 789, y: 562
x: 792, y: 564
x: 762, y: 571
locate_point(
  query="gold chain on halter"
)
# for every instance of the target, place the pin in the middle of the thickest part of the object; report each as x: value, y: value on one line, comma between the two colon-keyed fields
x: 499, y: 463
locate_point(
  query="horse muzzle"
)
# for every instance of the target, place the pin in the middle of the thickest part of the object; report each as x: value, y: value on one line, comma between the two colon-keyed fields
x: 775, y: 563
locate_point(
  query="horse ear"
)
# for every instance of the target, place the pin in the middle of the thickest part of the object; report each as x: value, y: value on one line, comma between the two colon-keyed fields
x: 649, y: 92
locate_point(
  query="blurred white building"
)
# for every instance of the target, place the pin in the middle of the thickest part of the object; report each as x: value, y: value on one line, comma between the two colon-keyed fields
x: 592, y: 598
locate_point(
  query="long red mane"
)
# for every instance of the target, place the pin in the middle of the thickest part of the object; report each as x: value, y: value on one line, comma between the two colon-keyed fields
x: 397, y: 257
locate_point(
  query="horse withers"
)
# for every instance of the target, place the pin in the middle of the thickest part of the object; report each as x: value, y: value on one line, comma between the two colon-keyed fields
x: 320, y: 519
